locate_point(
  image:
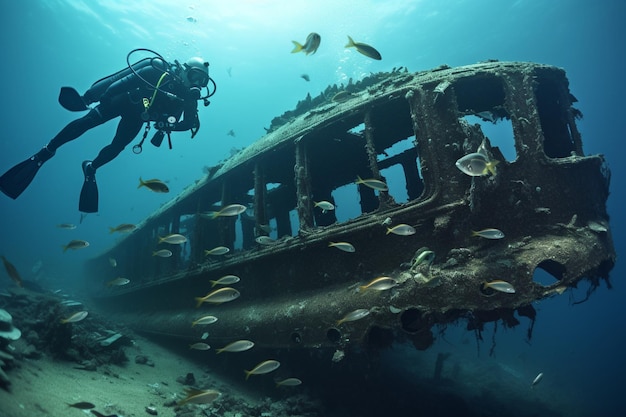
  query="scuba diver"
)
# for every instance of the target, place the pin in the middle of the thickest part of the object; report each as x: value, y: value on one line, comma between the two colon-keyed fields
x: 150, y: 90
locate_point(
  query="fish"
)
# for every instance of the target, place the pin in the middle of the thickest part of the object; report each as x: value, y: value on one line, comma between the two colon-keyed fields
x: 200, y: 346
x: 310, y: 45
x: 162, y: 253
x: 373, y: 183
x: 355, y: 315
x: 83, y: 405
x: 476, y: 165
x: 379, y: 284
x: 122, y: 228
x: 537, y: 380
x: 238, y: 346
x: 427, y: 257
x: 75, y: 244
x: 173, y: 239
x: 113, y: 262
x: 78, y: 316
x: 344, y: 246
x: 219, y: 250
x: 231, y: 132
x: 12, y: 271
x: 196, y: 396
x: 365, y: 49
x: 264, y: 367
x: 305, y: 77
x: 265, y: 240
x: 225, y: 280
x: 222, y: 295
x: 342, y: 96
x: 489, y: 233
x: 154, y: 184
x: 118, y: 282
x: 204, y: 320
x: 289, y: 382
x: 66, y: 226
x: 324, y: 205
x: 401, y: 230
x: 228, y: 211
x: 499, y: 285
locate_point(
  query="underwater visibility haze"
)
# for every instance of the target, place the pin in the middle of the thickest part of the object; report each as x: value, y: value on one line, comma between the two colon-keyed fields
x: 48, y: 44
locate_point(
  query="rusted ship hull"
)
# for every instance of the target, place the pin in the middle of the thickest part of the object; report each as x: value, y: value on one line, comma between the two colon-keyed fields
x: 549, y: 201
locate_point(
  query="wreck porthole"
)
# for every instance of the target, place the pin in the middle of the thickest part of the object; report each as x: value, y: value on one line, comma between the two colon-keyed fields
x: 412, y: 320
x: 333, y: 335
x: 548, y: 272
x: 296, y: 338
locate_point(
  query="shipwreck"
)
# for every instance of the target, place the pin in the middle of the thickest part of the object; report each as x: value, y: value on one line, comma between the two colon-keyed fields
x: 406, y: 130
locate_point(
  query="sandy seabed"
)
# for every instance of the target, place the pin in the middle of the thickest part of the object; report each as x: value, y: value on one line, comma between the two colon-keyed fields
x: 44, y: 387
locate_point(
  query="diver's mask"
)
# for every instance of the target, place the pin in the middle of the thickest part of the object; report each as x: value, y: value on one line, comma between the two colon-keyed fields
x: 196, y: 73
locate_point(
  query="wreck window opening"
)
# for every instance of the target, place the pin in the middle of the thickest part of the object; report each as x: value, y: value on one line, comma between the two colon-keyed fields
x: 358, y: 130
x: 187, y: 226
x: 499, y: 132
x: 336, y: 155
x: 481, y: 101
x: 558, y: 141
x: 295, y: 221
x: 281, y: 202
x: 238, y: 242
x: 396, y: 183
x: 399, y: 165
x: 346, y: 202
x: 548, y: 272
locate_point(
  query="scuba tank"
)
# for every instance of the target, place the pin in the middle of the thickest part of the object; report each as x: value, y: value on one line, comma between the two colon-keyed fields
x: 73, y: 101
x: 97, y: 89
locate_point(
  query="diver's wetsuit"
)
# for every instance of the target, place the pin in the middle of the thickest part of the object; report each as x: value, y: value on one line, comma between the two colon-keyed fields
x: 124, y: 98
x: 152, y: 92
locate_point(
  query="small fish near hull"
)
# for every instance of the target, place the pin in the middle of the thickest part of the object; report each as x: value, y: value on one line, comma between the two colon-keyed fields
x: 294, y: 291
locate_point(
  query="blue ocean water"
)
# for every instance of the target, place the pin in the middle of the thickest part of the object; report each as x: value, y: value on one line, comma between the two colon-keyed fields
x: 49, y: 44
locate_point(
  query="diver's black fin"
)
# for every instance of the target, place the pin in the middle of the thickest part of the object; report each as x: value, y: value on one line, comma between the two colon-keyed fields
x: 14, y: 181
x: 88, y: 202
x: 71, y: 100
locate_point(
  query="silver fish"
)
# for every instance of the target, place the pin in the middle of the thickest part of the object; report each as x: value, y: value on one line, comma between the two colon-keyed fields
x: 173, y: 239
x: 263, y: 368
x: 310, y: 45
x: 365, y: 49
x: 500, y: 285
x: 354, y: 315
x: 401, y: 230
x: 219, y: 250
x: 372, y: 183
x: 489, y: 234
x: 344, y: 246
x: 238, y: 346
x: 537, y: 379
x: 324, y: 205
x: 265, y: 240
x: 476, y: 165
